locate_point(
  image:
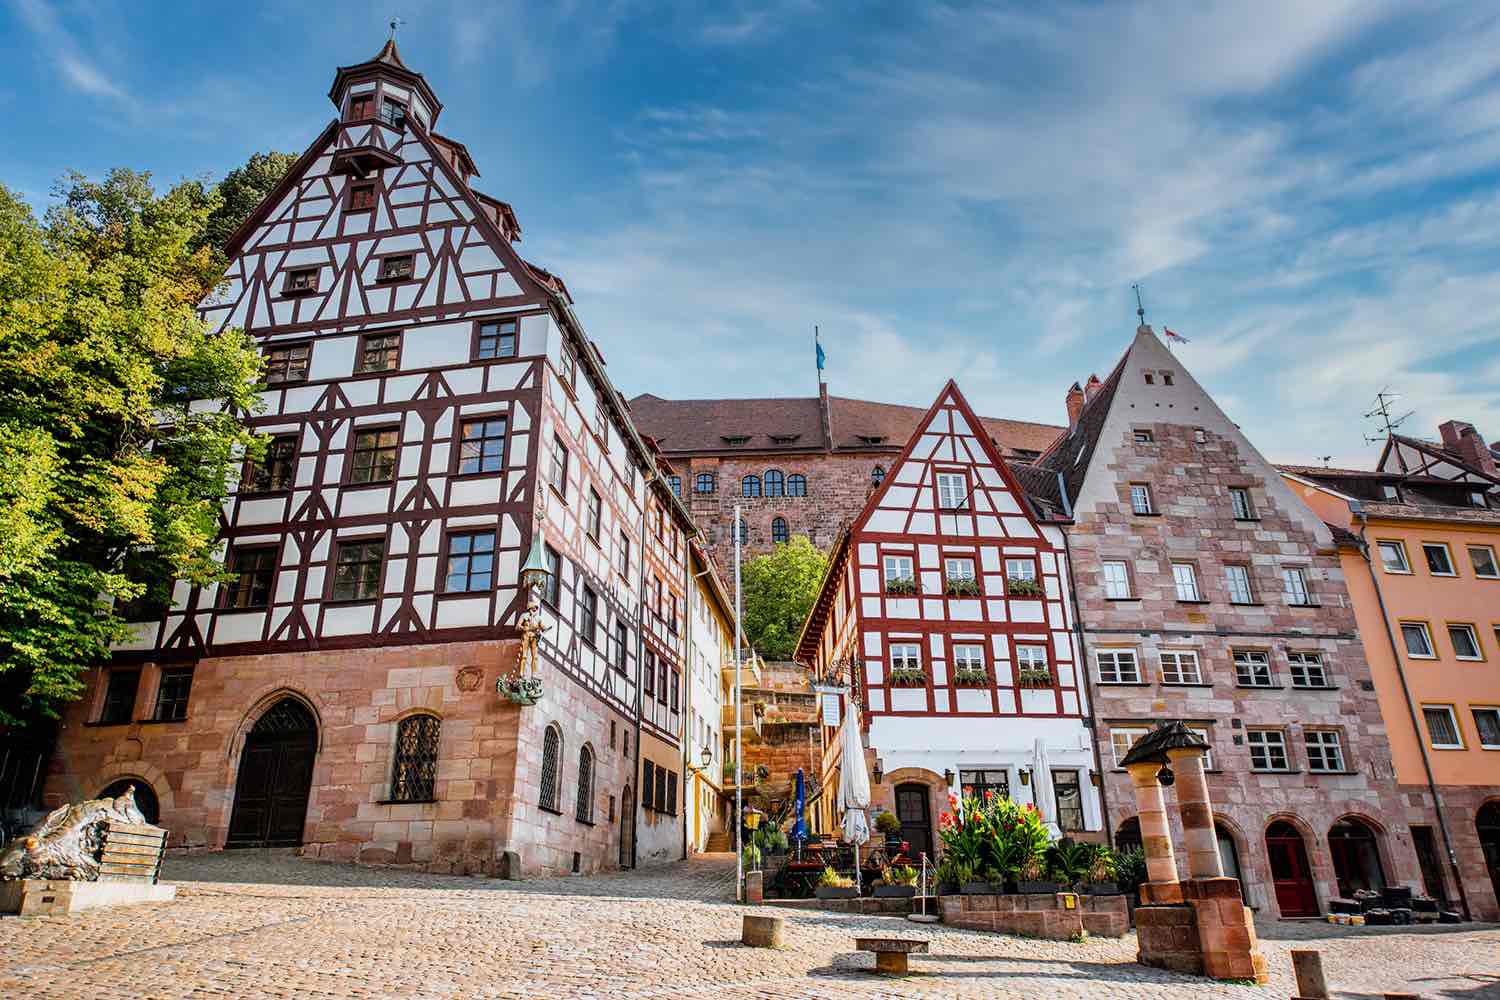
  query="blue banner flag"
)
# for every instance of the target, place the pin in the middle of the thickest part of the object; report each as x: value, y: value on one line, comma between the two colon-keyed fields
x: 821, y: 356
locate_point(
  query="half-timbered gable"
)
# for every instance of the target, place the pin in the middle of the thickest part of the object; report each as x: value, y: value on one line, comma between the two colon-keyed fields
x: 945, y: 610
x: 431, y: 403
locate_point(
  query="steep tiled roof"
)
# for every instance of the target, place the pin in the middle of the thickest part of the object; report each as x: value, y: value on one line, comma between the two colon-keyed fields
x: 700, y: 425
x: 1073, y: 451
x: 1041, y: 488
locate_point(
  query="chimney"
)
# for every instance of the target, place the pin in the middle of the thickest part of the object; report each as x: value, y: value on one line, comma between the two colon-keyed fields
x: 1075, y: 403
x: 1463, y: 440
x: 1090, y: 387
x: 825, y: 415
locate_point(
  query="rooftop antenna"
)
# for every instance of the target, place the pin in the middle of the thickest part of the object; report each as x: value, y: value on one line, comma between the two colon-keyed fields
x: 396, y: 25
x: 1140, y: 307
x: 1388, y: 424
x: 1325, y: 459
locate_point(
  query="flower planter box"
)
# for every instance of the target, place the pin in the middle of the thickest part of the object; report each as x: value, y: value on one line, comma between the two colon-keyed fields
x: 899, y: 681
x: 971, y: 681
x: 895, y: 891
x: 836, y: 892
x: 1025, y: 887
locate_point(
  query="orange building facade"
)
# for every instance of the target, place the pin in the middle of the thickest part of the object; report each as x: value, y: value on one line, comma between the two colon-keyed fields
x: 1421, y: 556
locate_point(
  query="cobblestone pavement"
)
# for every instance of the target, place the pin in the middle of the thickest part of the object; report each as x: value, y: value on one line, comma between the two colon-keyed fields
x: 256, y: 924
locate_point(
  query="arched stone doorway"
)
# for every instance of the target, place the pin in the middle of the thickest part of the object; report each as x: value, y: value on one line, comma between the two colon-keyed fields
x: 1487, y: 823
x: 145, y: 797
x: 627, y: 827
x: 1291, y: 874
x: 1356, y: 856
x: 1128, y: 835
x: 275, y: 778
x: 915, y: 814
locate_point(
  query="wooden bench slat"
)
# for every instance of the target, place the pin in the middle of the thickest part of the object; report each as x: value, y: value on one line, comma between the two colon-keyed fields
x: 142, y: 850
x: 136, y: 828
x: 130, y: 871
x: 132, y: 838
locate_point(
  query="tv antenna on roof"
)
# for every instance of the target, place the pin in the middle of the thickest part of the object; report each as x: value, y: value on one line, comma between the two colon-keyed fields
x: 1325, y: 459
x: 1383, y: 400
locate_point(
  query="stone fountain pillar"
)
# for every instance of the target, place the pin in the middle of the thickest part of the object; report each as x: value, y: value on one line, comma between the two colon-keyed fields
x: 1161, y: 885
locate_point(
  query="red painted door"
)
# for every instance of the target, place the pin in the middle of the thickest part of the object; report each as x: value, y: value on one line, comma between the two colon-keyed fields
x: 1291, y: 875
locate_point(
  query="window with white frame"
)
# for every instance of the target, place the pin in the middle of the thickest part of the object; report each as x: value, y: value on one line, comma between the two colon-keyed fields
x: 1418, y: 640
x: 956, y: 568
x: 1116, y: 580
x: 1020, y: 569
x: 1294, y: 585
x: 1118, y: 666
x: 1439, y: 562
x: 1487, y: 722
x: 1325, y: 750
x: 1140, y: 498
x: 906, y: 656
x: 1442, y: 727
x: 1185, y: 578
x: 1239, y: 499
x: 1238, y: 580
x: 1393, y: 557
x: 898, y: 570
x: 1180, y: 666
x: 953, y: 491
x: 968, y: 659
x: 1307, y: 670
x: 1252, y: 668
x: 1121, y: 739
x: 1267, y: 750
x: 1482, y: 558
x: 1465, y: 642
x: 1032, y: 669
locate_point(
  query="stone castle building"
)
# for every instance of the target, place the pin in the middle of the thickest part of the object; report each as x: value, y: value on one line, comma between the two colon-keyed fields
x: 799, y: 466
x: 1209, y: 593
x: 434, y: 407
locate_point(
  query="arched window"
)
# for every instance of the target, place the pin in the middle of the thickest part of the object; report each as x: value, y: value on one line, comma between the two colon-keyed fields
x: 704, y: 483
x: 779, y: 533
x: 416, y: 759
x: 585, y: 808
x: 1128, y: 835
x: 750, y: 486
x: 744, y: 533
x: 877, y: 475
x: 775, y: 483
x: 796, y: 485
x: 551, y: 755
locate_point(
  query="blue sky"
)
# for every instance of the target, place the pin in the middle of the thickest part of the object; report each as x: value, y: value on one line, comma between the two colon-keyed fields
x: 1306, y: 190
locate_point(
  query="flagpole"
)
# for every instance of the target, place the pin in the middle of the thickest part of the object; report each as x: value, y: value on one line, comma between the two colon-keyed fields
x: 818, y: 351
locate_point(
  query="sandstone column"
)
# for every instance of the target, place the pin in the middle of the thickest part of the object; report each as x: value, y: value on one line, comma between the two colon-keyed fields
x: 1156, y: 837
x: 1197, y: 813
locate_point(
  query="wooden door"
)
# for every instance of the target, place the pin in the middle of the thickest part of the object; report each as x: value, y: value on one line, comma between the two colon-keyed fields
x: 627, y: 828
x: 915, y: 817
x: 275, y: 778
x: 1291, y: 875
x: 1427, y: 858
x: 1487, y: 825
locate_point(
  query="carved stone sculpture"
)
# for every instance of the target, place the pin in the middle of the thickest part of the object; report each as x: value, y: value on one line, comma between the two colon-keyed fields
x: 67, y: 844
x: 532, y: 627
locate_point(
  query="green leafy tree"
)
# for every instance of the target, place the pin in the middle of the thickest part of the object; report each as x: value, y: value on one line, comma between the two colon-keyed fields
x: 111, y: 479
x: 779, y: 590
x: 241, y: 190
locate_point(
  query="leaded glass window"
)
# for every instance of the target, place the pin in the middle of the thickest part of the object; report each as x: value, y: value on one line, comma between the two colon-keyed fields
x: 482, y: 448
x: 416, y: 759
x: 585, y: 806
x: 775, y: 483
x: 551, y: 754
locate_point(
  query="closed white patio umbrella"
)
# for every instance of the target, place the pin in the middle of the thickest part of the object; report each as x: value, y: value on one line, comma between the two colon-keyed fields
x: 1041, y: 788
x: 854, y: 785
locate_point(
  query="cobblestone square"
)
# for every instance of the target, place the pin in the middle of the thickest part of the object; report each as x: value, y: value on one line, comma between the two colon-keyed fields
x: 258, y: 924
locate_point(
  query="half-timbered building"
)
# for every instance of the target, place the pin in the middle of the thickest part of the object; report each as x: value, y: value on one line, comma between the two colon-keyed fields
x: 945, y: 612
x: 431, y: 404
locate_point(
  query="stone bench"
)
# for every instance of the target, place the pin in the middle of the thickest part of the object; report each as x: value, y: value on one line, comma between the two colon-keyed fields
x: 890, y: 953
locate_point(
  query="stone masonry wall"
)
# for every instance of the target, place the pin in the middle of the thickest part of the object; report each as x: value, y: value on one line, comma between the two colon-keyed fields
x: 487, y: 773
x: 1190, y: 479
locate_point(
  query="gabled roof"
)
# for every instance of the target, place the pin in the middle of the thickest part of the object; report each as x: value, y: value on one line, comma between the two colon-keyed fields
x: 693, y: 426
x: 1071, y: 453
x: 1432, y: 450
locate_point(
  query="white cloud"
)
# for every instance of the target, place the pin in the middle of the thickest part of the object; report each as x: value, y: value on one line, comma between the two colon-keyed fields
x: 66, y: 50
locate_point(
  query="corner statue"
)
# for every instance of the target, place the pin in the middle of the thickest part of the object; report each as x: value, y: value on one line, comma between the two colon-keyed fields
x: 67, y: 844
x: 532, y: 627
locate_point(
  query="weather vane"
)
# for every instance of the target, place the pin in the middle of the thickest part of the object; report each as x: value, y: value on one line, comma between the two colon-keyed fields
x: 1140, y: 307
x: 396, y: 24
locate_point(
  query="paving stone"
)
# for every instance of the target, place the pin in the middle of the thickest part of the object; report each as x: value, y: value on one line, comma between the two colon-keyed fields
x: 265, y: 924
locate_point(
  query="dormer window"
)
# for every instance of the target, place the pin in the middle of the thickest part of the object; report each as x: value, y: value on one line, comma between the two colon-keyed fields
x: 1166, y: 378
x: 301, y: 282
x: 734, y: 439
x: 1391, y: 492
x: 784, y: 438
x: 361, y: 106
x: 398, y: 267
x: 872, y: 438
x: 1477, y: 499
x: 361, y: 197
x: 393, y: 113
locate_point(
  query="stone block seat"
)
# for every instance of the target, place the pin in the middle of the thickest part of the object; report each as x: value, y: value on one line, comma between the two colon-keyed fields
x: 891, y: 953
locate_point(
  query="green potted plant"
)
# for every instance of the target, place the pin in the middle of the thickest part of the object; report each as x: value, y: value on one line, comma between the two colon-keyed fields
x: 963, y: 586
x: 901, y: 586
x: 1032, y: 877
x: 751, y: 855
x: 971, y: 677
x: 897, y: 881
x: 1130, y: 870
x: 832, y: 885
x: 1035, y: 677
x: 1103, y: 872
x: 1069, y: 862
x: 887, y: 824
x: 1017, y: 586
x: 907, y: 677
